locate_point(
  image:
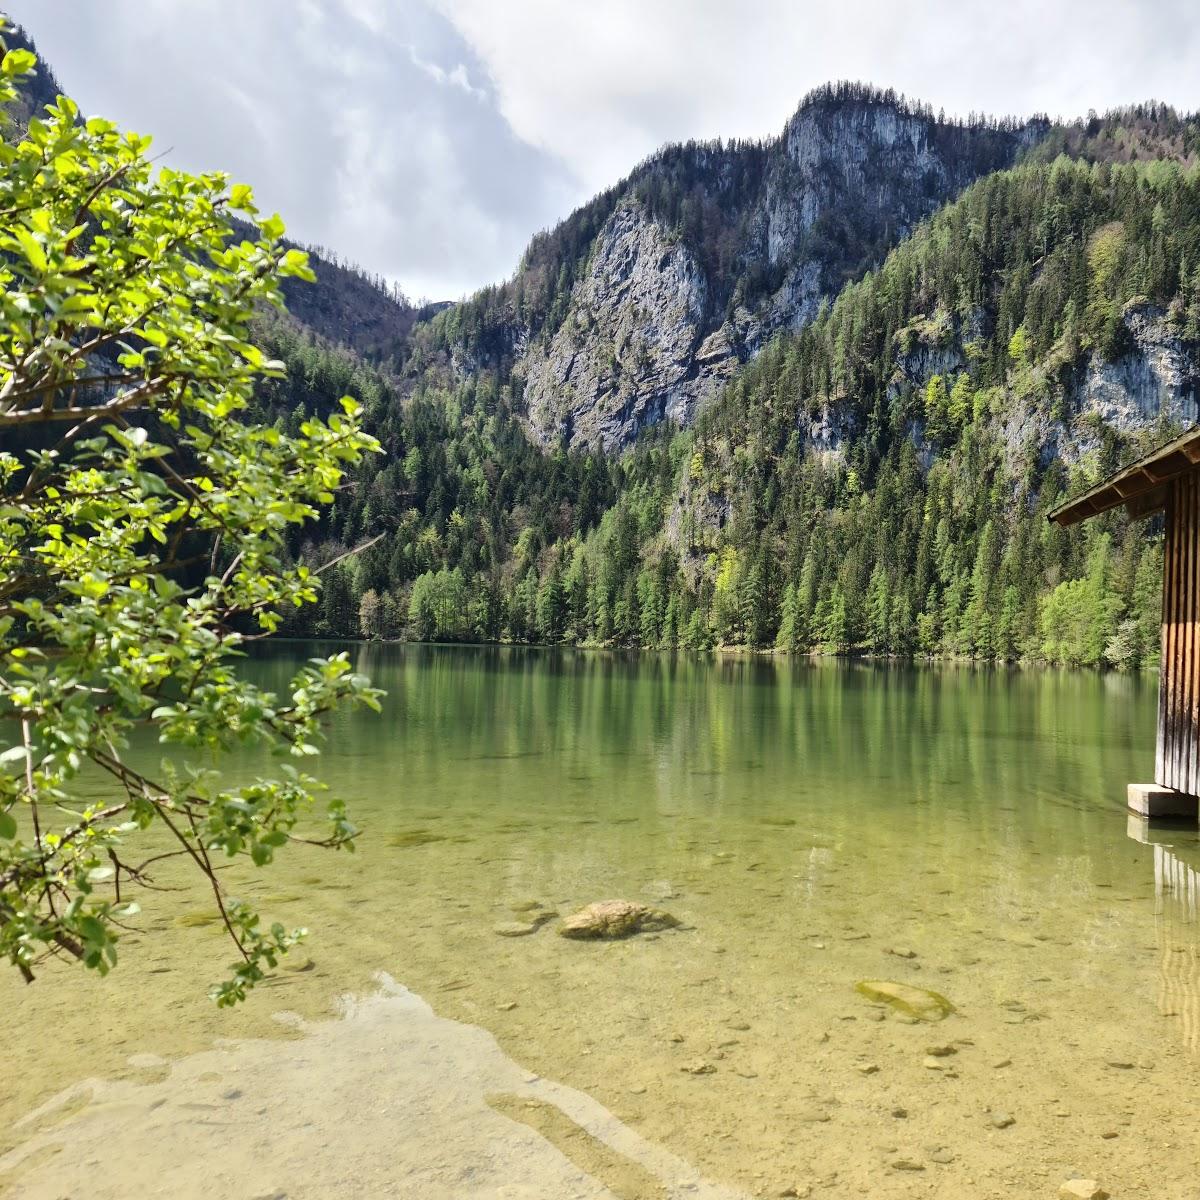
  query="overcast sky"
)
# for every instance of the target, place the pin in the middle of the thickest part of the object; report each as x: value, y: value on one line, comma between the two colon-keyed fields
x: 428, y: 139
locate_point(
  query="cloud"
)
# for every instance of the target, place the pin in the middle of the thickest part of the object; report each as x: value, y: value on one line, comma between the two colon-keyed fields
x: 373, y: 128
x: 429, y: 139
x: 602, y: 85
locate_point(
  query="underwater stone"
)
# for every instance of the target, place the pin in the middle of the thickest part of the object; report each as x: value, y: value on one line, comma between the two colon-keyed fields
x: 913, y: 1002
x: 1082, y: 1189
x: 615, y: 919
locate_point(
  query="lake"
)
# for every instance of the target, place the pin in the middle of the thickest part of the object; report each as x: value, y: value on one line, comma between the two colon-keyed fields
x: 813, y: 825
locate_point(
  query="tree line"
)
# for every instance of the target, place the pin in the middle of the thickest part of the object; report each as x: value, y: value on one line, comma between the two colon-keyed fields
x: 878, y: 482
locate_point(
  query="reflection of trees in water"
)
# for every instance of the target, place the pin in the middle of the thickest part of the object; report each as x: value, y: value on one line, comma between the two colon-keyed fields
x: 1176, y: 899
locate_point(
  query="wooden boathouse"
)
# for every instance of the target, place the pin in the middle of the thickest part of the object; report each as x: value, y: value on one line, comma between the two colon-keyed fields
x: 1167, y: 480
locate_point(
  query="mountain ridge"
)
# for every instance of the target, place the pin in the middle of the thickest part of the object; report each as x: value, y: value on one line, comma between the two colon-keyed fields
x: 816, y: 392
x: 749, y: 237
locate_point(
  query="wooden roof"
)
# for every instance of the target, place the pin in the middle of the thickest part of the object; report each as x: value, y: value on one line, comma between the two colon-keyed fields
x: 1141, y: 486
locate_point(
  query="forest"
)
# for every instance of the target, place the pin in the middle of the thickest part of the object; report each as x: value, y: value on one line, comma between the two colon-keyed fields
x: 876, y: 483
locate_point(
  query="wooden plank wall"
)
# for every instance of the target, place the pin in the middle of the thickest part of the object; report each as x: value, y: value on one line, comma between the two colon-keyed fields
x: 1177, y: 760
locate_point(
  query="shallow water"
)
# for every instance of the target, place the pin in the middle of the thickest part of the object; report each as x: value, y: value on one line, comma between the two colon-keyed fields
x: 812, y: 825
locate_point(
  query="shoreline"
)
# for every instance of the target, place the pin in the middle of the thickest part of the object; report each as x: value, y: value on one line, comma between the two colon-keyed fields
x: 770, y: 653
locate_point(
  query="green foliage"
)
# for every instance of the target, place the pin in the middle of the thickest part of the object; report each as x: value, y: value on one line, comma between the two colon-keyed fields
x: 1079, y: 618
x: 437, y: 607
x: 143, y: 527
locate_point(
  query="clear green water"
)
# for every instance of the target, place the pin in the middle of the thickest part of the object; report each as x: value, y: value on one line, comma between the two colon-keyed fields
x: 813, y: 825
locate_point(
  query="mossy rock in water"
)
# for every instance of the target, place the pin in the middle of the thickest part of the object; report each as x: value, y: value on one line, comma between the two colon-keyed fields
x: 194, y: 919
x: 522, y: 928
x: 913, y: 1001
x: 415, y: 837
x: 609, y: 919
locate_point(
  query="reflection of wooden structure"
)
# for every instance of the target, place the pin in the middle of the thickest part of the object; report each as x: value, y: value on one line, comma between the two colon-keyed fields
x: 1176, y: 909
x: 1166, y: 480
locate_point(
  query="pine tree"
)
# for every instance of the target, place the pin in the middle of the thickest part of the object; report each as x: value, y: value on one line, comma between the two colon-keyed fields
x: 879, y: 612
x: 788, y: 637
x: 552, y: 608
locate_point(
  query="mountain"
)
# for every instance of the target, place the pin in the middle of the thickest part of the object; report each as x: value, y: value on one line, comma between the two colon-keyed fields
x: 640, y: 305
x: 817, y: 392
x: 881, y: 480
x: 348, y: 306
x: 876, y: 479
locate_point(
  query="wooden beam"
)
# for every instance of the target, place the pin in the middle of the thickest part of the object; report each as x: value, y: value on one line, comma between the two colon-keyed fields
x: 1147, y: 503
x: 1170, y: 462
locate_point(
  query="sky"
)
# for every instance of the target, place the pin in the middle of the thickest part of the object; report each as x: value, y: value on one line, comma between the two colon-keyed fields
x: 428, y: 140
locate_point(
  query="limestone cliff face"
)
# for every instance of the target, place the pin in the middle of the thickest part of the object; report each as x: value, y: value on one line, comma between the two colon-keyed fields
x: 628, y: 353
x: 654, y: 325
x: 1156, y: 378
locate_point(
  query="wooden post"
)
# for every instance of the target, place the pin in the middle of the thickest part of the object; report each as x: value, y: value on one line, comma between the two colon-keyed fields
x: 1177, y: 752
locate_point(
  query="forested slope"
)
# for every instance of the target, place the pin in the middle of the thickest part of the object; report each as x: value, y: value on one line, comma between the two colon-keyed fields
x: 877, y: 481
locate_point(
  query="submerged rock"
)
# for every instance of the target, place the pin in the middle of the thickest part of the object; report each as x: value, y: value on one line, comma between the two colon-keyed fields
x: 1082, y: 1189
x: 523, y: 928
x: 514, y: 929
x: 615, y: 919
x: 408, y: 838
x: 911, y: 1001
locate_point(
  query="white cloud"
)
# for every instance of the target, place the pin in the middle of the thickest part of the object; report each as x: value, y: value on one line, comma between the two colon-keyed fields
x: 428, y: 139
x: 455, y: 77
x: 603, y: 84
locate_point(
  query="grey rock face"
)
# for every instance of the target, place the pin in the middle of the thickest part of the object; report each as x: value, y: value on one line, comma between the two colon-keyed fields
x: 628, y: 353
x: 1156, y: 378
x: 651, y: 332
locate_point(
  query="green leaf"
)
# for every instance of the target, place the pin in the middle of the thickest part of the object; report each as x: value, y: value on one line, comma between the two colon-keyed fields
x: 32, y: 249
x: 241, y: 197
x: 18, y: 62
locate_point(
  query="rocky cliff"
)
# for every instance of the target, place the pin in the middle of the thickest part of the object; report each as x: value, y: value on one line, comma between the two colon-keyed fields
x: 708, y: 250
x: 669, y: 302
